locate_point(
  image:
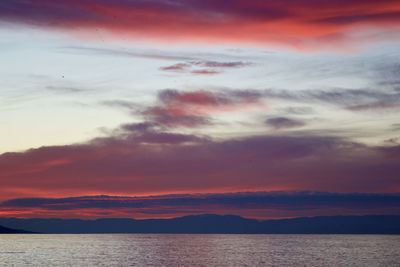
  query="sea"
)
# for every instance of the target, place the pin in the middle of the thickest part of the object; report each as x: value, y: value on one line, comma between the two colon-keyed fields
x: 198, y: 250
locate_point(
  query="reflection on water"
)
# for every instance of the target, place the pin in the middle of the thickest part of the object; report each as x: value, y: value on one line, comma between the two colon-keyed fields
x: 199, y: 250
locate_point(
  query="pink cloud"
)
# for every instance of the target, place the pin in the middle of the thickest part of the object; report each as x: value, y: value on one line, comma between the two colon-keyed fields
x: 192, y: 108
x: 134, y: 165
x: 205, y: 72
x: 309, y: 24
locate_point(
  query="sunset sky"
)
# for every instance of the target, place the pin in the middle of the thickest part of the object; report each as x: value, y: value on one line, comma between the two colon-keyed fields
x: 163, y: 108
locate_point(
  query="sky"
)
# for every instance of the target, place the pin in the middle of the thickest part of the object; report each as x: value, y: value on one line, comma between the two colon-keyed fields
x: 157, y: 109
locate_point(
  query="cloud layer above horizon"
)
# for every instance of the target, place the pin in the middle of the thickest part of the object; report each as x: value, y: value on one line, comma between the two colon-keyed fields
x: 172, y: 107
x: 261, y: 205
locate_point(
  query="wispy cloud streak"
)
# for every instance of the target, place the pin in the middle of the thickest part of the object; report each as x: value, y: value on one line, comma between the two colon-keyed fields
x: 206, y: 67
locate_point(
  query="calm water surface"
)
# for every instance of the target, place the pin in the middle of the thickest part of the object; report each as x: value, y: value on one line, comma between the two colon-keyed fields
x: 199, y: 250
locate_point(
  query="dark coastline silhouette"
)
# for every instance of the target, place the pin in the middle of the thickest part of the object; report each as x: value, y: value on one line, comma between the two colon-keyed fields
x: 6, y: 230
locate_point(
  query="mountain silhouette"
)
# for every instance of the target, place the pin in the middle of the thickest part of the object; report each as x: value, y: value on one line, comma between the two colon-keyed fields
x: 215, y: 224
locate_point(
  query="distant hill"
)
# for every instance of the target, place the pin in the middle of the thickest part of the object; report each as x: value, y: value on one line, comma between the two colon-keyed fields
x: 5, y: 230
x: 217, y: 224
